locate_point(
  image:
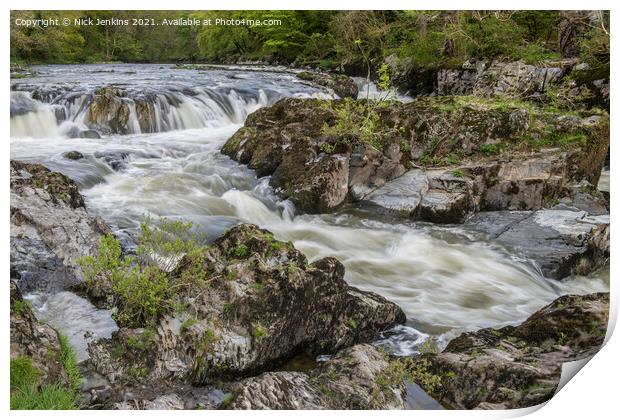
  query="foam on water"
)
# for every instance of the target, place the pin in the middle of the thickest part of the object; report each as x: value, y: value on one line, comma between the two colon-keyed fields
x: 445, y: 278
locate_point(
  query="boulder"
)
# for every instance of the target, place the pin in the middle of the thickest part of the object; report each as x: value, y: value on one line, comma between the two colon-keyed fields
x: 263, y: 303
x: 566, y: 83
x: 340, y: 84
x: 36, y: 342
x: 497, y: 78
x: 516, y: 367
x: 73, y: 155
x: 354, y: 379
x: 50, y: 229
x: 560, y: 241
x: 109, y: 111
x: 475, y: 154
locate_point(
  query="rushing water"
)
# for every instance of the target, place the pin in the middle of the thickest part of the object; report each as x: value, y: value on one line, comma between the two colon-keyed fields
x: 446, y: 278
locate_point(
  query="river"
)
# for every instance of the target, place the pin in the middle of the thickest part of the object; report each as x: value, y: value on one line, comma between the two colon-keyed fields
x: 447, y: 279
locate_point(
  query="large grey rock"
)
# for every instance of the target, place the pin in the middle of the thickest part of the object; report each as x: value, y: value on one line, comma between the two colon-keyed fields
x: 516, y: 367
x: 354, y: 379
x: 50, y: 229
x: 451, y: 194
x: 488, y: 79
x: 258, y: 309
x: 560, y: 242
x: 319, y: 165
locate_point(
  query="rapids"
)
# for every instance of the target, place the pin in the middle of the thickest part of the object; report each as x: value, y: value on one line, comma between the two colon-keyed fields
x: 447, y: 279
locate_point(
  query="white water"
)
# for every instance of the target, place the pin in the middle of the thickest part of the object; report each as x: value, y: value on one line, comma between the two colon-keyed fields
x: 74, y: 316
x: 447, y: 279
x: 369, y: 90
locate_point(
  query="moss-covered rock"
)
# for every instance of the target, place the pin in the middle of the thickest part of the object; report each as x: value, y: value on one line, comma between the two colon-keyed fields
x: 341, y: 84
x: 44, y: 373
x: 515, y: 367
x: 261, y: 303
x: 322, y: 154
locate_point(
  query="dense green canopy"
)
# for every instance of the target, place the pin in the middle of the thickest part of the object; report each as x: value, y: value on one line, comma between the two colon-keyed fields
x: 322, y: 38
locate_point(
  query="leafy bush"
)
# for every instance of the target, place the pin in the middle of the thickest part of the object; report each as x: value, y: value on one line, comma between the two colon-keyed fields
x: 146, y: 286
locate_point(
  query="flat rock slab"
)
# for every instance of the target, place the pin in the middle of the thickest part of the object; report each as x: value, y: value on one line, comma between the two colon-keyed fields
x: 559, y: 242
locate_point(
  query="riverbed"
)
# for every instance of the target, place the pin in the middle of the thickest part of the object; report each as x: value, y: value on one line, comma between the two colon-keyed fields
x: 448, y: 279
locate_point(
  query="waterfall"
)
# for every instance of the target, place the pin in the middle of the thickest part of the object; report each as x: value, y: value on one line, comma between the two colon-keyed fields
x: 69, y: 113
x: 30, y: 118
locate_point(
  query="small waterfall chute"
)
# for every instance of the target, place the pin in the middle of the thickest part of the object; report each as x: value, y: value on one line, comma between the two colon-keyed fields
x: 31, y: 118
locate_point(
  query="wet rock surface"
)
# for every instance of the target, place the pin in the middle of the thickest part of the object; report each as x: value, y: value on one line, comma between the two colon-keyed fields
x: 567, y: 81
x: 50, y: 229
x: 260, y: 308
x: 35, y: 341
x: 501, y: 165
x: 341, y: 84
x: 351, y: 380
x: 561, y: 242
x: 515, y: 367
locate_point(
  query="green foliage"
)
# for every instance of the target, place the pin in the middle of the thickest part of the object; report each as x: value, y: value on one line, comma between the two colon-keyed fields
x: 240, y: 251
x: 68, y: 359
x: 20, y: 306
x: 409, y: 370
x: 188, y: 323
x: 351, y: 323
x: 27, y: 394
x: 227, y: 308
x: 489, y: 149
x: 425, y: 38
x: 206, y: 342
x: 259, y: 331
x: 355, y: 121
x: 227, y: 401
x: 257, y: 287
x: 145, y: 287
x: 143, y: 341
x: 429, y: 347
x: 457, y: 173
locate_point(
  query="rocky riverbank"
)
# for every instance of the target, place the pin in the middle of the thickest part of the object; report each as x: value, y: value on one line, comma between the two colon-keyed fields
x: 223, y: 323
x: 450, y: 156
x: 515, y: 367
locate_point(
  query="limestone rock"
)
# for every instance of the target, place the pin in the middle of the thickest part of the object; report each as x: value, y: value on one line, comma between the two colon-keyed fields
x: 515, y: 367
x: 349, y: 381
x: 50, y: 229
x: 264, y: 304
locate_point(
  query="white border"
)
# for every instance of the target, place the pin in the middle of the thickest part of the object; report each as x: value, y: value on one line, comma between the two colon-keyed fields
x: 592, y: 394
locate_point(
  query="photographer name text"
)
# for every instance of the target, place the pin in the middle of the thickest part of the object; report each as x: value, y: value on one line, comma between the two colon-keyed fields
x: 45, y: 23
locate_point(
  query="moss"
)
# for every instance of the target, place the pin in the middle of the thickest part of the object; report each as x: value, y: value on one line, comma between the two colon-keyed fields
x: 143, y: 341
x: 206, y: 342
x: 490, y: 149
x: 138, y: 372
x: 257, y: 287
x: 457, y: 173
x: 351, y: 323
x: 20, y: 306
x: 411, y: 370
x: 187, y: 324
x: 258, y: 331
x: 227, y: 401
x: 240, y: 251
x: 227, y: 308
